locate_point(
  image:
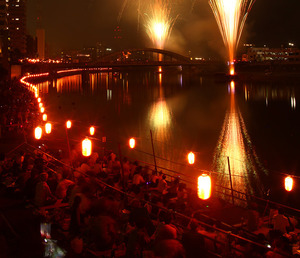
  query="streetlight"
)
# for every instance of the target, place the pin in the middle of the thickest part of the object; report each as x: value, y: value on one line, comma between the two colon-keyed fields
x: 86, y: 147
x: 39, y: 100
x: 38, y: 133
x: 40, y: 104
x: 191, y: 158
x: 204, y: 186
x: 42, y: 109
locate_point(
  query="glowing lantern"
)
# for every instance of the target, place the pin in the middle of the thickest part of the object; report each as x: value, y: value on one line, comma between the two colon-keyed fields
x: 39, y: 100
x: 38, y: 133
x: 191, y: 158
x: 92, y: 130
x: 86, y: 147
x: 48, y: 128
x: 42, y: 109
x: 132, y: 143
x: 40, y: 104
x: 69, y: 124
x: 204, y: 187
x: 44, y: 117
x: 288, y: 183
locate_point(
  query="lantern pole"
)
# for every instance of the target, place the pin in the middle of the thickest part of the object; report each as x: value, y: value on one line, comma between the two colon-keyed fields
x: 68, y: 145
x: 121, y: 162
x: 229, y: 171
x: 153, y: 150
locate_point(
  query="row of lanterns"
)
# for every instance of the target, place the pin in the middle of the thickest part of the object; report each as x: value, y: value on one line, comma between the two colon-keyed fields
x: 86, y: 143
x: 204, y: 181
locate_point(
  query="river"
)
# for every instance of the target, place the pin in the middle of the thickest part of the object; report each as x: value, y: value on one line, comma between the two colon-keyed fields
x: 256, y: 125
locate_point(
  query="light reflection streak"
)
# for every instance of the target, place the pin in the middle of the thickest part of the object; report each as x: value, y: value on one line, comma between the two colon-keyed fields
x: 160, y: 114
x: 69, y: 84
x: 235, y: 143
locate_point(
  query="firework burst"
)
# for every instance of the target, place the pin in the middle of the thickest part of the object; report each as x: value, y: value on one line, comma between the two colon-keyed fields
x: 159, y: 22
x: 231, y: 16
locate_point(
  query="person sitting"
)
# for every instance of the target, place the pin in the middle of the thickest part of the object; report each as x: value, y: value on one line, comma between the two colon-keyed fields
x: 281, y: 222
x: 137, y: 178
x: 43, y: 195
x: 162, y: 185
x: 63, y: 185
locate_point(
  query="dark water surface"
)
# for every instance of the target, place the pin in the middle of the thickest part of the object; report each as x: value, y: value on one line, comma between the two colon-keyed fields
x: 185, y: 113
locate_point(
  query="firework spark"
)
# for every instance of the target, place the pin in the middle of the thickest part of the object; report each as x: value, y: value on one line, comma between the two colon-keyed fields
x: 159, y: 22
x: 231, y: 16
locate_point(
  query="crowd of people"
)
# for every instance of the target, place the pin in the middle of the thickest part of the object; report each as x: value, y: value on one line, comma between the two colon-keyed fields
x: 101, y: 206
x: 18, y: 110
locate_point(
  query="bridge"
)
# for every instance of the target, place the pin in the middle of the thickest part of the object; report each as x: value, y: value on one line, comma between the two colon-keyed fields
x: 140, y: 57
x: 146, y: 57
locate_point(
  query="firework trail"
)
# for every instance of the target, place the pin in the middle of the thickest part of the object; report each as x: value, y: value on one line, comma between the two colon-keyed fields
x: 157, y: 18
x: 231, y: 16
x: 235, y: 143
x: 159, y: 22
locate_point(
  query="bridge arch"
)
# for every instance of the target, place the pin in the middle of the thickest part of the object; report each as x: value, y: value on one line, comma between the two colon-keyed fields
x: 149, y: 55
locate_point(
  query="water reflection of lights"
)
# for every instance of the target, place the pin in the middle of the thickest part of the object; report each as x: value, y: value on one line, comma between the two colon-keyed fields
x: 69, y: 84
x: 270, y: 94
x: 160, y: 114
x: 160, y: 118
x: 293, y: 102
x: 234, y: 142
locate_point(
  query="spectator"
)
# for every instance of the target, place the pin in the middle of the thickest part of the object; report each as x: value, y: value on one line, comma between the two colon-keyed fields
x: 43, y: 195
x: 281, y: 222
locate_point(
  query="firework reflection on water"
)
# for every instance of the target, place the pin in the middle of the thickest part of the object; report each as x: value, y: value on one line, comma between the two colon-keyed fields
x: 235, y: 143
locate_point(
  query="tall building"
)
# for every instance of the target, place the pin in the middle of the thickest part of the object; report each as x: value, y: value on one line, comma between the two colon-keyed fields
x: 17, y: 25
x: 40, y: 31
x: 40, y: 36
x: 3, y: 34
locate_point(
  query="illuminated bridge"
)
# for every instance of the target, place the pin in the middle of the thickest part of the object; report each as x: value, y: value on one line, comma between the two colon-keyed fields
x: 129, y: 58
x: 147, y: 57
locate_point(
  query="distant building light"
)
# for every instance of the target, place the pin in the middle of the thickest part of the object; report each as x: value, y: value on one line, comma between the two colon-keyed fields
x: 108, y: 49
x: 17, y: 19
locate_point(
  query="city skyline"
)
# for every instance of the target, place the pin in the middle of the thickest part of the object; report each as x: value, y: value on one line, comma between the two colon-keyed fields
x: 70, y: 24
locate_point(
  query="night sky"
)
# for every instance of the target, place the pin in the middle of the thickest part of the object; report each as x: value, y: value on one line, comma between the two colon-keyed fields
x: 71, y: 24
